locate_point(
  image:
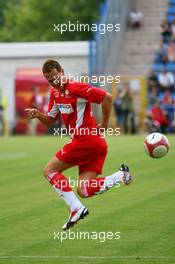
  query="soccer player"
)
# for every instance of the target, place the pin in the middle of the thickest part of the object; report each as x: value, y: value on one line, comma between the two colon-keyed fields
x: 87, y: 150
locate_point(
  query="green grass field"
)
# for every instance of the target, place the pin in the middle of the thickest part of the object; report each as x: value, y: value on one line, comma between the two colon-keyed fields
x: 30, y: 211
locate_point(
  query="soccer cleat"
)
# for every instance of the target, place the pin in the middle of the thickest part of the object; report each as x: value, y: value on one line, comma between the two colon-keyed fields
x: 75, y: 216
x: 126, y: 178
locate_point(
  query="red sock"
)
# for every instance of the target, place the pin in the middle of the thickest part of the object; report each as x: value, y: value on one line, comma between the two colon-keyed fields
x: 59, y: 181
x: 94, y: 186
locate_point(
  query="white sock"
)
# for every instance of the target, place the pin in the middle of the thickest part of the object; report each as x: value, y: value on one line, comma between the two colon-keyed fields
x: 71, y: 200
x: 69, y: 197
x: 112, y: 180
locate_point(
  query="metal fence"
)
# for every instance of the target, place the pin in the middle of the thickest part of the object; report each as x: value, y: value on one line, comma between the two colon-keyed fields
x: 105, y: 48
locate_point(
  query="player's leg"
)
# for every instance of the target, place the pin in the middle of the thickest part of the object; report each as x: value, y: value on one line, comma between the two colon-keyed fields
x: 56, y: 165
x: 85, y: 180
x: 89, y: 184
x: 53, y: 173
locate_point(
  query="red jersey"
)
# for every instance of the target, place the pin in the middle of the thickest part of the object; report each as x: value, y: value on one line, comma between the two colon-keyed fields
x: 158, y: 115
x: 74, y: 104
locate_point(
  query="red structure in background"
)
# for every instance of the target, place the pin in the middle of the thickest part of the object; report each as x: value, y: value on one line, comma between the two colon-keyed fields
x: 27, y: 79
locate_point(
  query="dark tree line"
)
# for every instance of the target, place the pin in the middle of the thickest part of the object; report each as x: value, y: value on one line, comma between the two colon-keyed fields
x: 33, y: 20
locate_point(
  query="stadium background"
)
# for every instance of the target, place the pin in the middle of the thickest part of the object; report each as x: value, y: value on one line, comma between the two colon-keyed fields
x: 30, y: 212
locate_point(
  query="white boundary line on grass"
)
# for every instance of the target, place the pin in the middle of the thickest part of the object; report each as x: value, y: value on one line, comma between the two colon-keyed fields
x: 88, y: 257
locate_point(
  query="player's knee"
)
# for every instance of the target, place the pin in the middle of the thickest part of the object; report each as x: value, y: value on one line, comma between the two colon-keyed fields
x: 82, y: 192
x: 46, y: 171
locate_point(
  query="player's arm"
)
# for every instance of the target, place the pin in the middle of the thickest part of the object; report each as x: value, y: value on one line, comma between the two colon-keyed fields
x: 35, y: 113
x: 106, y: 110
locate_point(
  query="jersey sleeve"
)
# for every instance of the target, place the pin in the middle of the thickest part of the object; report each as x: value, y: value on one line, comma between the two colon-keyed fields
x: 91, y: 94
x: 53, y: 110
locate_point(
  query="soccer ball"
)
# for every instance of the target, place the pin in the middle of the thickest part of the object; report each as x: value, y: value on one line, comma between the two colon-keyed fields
x: 156, y: 145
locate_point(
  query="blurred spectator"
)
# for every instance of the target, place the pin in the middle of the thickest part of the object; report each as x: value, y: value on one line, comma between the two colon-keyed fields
x: 152, y: 97
x: 118, y: 109
x: 166, y: 31
x: 168, y: 104
x: 3, y: 118
x: 171, y: 52
x: 152, y: 80
x: 158, y: 118
x: 127, y: 109
x: 135, y: 19
x: 166, y: 80
x: 36, y: 102
x: 162, y: 53
x: 173, y: 29
x: 37, y: 99
x: 1, y: 115
x: 44, y: 105
x: 168, y: 98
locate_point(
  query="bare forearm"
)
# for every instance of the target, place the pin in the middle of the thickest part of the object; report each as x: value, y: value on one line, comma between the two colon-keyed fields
x: 46, y: 120
x: 35, y: 113
x: 106, y: 109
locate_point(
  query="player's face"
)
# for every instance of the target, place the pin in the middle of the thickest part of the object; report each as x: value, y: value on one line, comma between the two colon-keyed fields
x: 55, y: 78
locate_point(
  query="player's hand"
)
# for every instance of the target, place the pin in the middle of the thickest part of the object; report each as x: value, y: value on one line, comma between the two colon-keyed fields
x: 102, y: 125
x: 32, y: 112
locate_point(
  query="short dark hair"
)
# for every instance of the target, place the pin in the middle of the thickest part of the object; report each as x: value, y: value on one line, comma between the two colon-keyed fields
x: 49, y: 65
